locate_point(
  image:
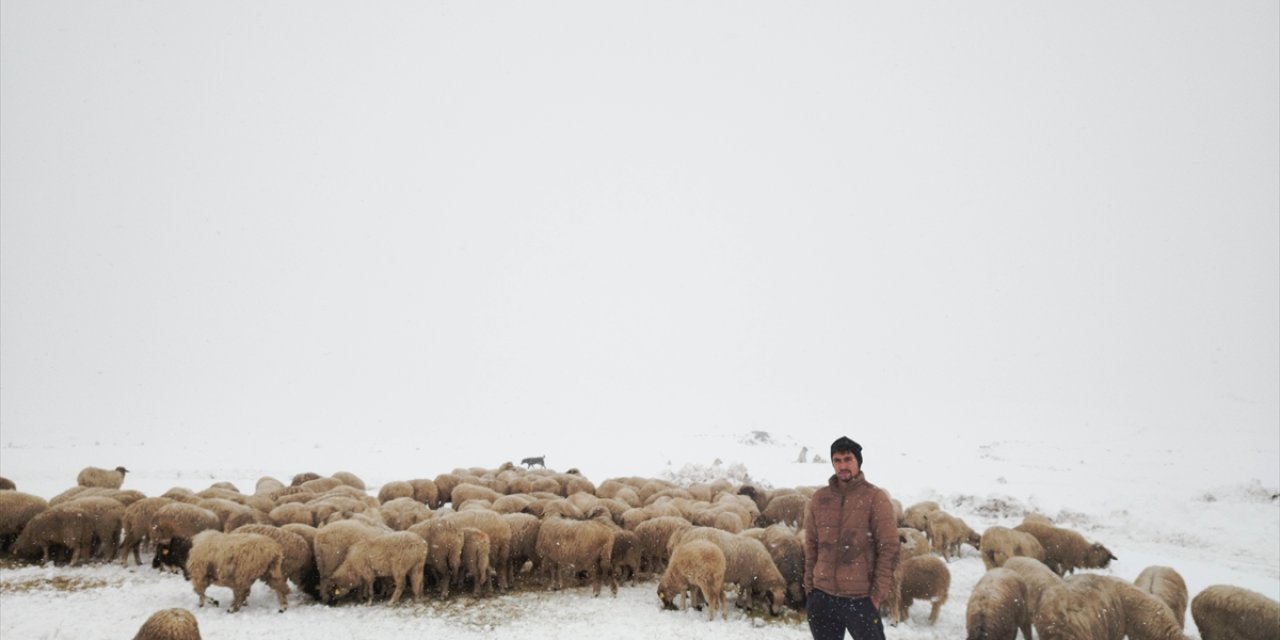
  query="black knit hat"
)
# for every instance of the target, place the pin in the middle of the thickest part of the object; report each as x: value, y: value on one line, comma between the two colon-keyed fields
x: 844, y: 445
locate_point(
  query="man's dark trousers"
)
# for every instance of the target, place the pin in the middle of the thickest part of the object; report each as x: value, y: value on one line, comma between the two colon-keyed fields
x: 829, y: 617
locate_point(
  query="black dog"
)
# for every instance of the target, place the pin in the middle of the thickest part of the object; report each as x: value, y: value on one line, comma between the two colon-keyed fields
x: 541, y: 461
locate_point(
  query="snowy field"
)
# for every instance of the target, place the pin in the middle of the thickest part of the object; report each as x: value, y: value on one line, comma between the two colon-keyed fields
x: 1208, y: 508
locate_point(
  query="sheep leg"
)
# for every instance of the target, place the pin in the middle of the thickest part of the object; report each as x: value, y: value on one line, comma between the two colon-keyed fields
x: 399, y: 582
x: 239, y: 596
x: 933, y: 614
x: 415, y: 581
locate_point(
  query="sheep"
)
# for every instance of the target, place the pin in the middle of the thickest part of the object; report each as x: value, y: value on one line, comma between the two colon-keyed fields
x: 1065, y: 550
x: 626, y: 555
x: 578, y: 545
x: 444, y: 540
x: 292, y: 512
x: 1228, y: 612
x: 55, y: 527
x: 1036, y: 576
x: 321, y: 485
x: 304, y: 477
x: 136, y: 523
x: 106, y: 478
x: 1167, y: 586
x: 1079, y: 609
x: 997, y: 607
x: 921, y: 577
x: 172, y: 528
x: 787, y: 550
x: 266, y: 486
x: 7, y: 484
x: 397, y: 555
x: 393, y: 490
x: 916, y: 515
x: 998, y: 544
x: 749, y: 566
x: 787, y: 509
x: 16, y: 510
x: 911, y: 543
x: 499, y: 539
x: 169, y: 624
x: 696, y: 564
x: 103, y: 516
x: 332, y: 544
x: 349, y: 479
x: 475, y: 559
x: 524, y: 540
x: 1103, y: 608
x: 299, y: 566
x: 948, y: 532
x: 467, y: 491
x: 231, y: 515
x: 236, y: 561
x: 402, y: 513
x: 655, y: 536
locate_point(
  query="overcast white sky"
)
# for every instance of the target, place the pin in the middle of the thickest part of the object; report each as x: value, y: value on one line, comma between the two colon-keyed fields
x: 698, y: 215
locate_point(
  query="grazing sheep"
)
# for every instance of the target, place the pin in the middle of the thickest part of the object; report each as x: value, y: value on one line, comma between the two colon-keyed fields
x: 696, y: 564
x: 445, y: 542
x: 321, y: 485
x: 266, y: 486
x: 292, y: 513
x: 331, y: 545
x: 104, y: 517
x: 921, y: 577
x: 499, y: 539
x: 997, y: 607
x: 1105, y: 608
x: 137, y: 526
x: 1037, y: 577
x: 397, y: 555
x: 236, y: 561
x: 916, y: 516
x: 998, y: 544
x: 402, y: 513
x: 169, y: 624
x: 578, y: 545
x: 393, y: 490
x: 626, y: 555
x: 787, y: 509
x: 467, y: 491
x: 231, y: 514
x: 911, y: 543
x: 16, y: 510
x: 425, y: 491
x: 1065, y: 550
x: 948, y: 532
x: 749, y: 566
x: 787, y: 550
x: 349, y: 479
x: 303, y: 478
x: 475, y: 559
x: 172, y: 528
x: 1224, y: 612
x: 655, y: 537
x: 7, y: 484
x: 1077, y: 609
x: 1168, y: 587
x: 51, y: 529
x: 105, y: 478
x: 524, y: 540
x: 299, y: 566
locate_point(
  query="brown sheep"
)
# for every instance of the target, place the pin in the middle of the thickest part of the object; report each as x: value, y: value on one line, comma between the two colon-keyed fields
x: 749, y: 566
x: 54, y: 528
x: 231, y: 514
x: 1168, y: 587
x: 104, y: 517
x: 921, y: 577
x: 349, y: 479
x: 499, y: 539
x: 911, y: 543
x: 787, y: 509
x: 1065, y: 550
x: 425, y: 491
x: 106, y: 478
x: 696, y: 564
x: 402, y: 513
x: 172, y: 528
x: 626, y: 555
x: 948, y: 532
x: 7, y: 484
x: 524, y: 540
x: 299, y: 566
x: 236, y: 561
x: 998, y: 544
x: 997, y: 607
x: 916, y: 516
x: 475, y: 559
x: 397, y: 555
x: 787, y: 550
x: 169, y: 624
x: 292, y: 512
x: 1103, y: 608
x: 1036, y: 575
x: 393, y: 490
x: 16, y: 510
x: 332, y: 544
x: 445, y: 542
x: 571, y: 545
x: 137, y: 526
x: 655, y: 536
x: 1224, y: 612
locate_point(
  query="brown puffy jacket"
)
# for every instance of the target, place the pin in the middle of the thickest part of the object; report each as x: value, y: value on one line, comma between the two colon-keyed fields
x: 851, y: 540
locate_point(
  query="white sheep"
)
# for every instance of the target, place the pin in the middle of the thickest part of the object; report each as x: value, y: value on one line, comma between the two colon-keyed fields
x: 1167, y: 586
x: 696, y: 564
x: 105, y: 478
x: 1225, y: 612
x: 998, y: 607
x: 236, y: 561
x: 169, y: 624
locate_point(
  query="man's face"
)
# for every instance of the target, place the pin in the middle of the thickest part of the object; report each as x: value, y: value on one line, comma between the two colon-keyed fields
x: 845, y: 464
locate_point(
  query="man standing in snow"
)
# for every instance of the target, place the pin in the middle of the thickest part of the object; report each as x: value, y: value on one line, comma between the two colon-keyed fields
x: 850, y: 550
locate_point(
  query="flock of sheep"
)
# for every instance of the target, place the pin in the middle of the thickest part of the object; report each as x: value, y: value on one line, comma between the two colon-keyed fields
x: 488, y: 530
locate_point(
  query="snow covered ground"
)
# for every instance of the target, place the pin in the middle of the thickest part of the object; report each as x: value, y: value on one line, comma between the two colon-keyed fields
x: 1208, y: 508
